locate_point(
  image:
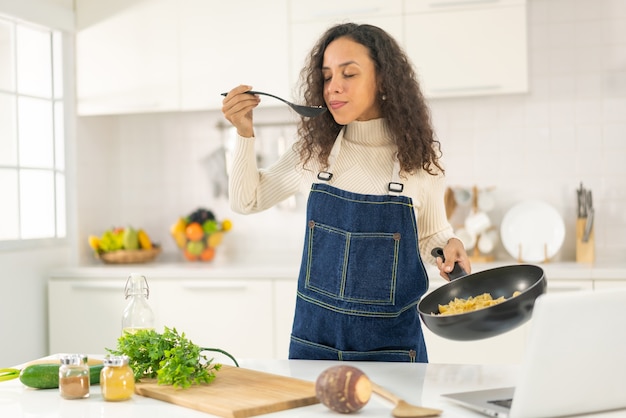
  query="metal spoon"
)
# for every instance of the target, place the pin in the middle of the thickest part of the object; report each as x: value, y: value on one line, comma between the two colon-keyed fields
x: 404, y: 409
x: 307, y: 111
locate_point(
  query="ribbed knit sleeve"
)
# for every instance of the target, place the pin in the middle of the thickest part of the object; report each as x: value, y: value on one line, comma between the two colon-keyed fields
x: 252, y: 189
x: 433, y: 227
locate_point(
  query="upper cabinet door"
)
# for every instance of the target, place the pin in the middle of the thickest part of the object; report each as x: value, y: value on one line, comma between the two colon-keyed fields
x: 310, y: 20
x: 170, y: 55
x: 224, y: 44
x: 466, y: 48
x: 302, y: 11
x: 126, y: 56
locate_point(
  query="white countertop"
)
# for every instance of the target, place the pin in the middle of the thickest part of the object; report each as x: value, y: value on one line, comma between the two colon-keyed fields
x: 288, y: 269
x: 420, y: 384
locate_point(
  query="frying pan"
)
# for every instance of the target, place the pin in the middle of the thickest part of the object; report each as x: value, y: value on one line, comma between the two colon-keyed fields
x: 490, y: 321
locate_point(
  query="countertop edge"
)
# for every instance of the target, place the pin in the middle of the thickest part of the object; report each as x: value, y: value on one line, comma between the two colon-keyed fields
x: 289, y: 271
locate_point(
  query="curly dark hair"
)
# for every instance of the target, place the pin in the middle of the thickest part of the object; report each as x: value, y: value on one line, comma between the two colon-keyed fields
x: 404, y: 107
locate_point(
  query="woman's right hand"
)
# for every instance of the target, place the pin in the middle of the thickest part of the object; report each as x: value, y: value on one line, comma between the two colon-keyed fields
x: 237, y: 108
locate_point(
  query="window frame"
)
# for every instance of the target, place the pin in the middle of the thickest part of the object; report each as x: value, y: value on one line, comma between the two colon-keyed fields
x: 58, y: 98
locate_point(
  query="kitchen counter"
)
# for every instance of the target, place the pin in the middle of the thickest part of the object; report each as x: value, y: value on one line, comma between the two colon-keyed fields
x: 180, y: 292
x: 288, y: 269
x: 416, y: 383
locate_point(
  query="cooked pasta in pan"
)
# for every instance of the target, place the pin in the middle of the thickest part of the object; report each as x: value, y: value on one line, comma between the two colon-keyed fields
x: 472, y: 303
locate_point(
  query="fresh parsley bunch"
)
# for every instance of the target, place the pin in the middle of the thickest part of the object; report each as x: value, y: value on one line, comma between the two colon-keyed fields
x: 169, y: 357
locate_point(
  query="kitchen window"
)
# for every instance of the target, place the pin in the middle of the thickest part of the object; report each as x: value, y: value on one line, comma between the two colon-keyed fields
x: 32, y: 146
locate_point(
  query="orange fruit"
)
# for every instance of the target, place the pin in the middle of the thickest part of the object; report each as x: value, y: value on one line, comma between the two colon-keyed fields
x: 189, y: 256
x: 208, y: 254
x: 194, y: 231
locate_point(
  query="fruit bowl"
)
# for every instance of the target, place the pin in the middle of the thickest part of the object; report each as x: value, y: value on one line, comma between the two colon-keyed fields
x: 124, y: 246
x: 199, y: 234
x: 129, y: 256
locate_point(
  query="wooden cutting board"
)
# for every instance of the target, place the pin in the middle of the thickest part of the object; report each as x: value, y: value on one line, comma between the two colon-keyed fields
x: 237, y: 393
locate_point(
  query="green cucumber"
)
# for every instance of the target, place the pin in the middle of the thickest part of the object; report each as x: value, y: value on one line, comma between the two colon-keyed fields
x: 46, y: 376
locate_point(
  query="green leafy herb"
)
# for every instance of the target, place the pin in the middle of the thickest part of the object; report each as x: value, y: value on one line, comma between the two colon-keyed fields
x: 169, y: 357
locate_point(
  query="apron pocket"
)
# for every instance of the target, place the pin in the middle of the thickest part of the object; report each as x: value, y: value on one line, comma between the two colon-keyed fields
x: 358, y: 267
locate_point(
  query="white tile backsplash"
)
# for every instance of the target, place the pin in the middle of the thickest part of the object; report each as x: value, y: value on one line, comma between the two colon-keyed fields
x: 570, y: 127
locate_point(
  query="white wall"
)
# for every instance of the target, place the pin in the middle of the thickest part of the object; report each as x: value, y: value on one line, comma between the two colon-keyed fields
x: 569, y: 128
x: 24, y: 302
x: 24, y: 270
x: 148, y: 170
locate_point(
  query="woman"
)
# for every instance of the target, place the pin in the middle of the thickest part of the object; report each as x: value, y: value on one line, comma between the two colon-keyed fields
x: 376, y: 198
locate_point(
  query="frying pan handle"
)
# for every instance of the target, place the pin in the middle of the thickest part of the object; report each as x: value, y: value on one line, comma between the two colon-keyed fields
x: 457, y: 272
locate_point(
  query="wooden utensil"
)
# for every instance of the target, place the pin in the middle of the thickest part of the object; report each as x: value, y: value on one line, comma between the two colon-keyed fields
x: 404, y: 409
x: 237, y: 392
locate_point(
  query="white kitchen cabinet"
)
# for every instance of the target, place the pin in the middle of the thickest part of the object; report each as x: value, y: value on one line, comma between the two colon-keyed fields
x: 507, y: 348
x: 305, y: 34
x: 301, y: 11
x: 127, y: 56
x: 608, y: 284
x: 466, y: 48
x: 224, y: 44
x: 168, y: 55
x: 308, y: 21
x: 284, y: 309
x: 247, y: 312
x: 85, y: 316
x: 233, y: 315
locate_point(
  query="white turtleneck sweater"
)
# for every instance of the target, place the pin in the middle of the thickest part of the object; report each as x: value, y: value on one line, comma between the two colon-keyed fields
x: 364, y: 165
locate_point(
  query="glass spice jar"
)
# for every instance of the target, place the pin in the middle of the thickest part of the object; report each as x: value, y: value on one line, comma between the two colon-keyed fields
x: 117, y: 381
x: 74, y: 376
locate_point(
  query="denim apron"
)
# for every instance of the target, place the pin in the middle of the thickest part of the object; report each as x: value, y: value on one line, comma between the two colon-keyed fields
x: 361, y: 276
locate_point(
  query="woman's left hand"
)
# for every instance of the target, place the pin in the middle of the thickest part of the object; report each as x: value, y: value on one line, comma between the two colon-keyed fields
x: 454, y: 252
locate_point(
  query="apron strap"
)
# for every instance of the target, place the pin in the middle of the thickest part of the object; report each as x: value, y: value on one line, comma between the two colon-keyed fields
x: 332, y: 157
x: 395, y: 186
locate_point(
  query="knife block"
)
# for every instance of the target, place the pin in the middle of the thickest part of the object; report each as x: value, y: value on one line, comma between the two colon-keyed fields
x: 585, y: 251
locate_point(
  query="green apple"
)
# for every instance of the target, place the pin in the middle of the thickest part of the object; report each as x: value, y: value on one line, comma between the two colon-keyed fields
x: 210, y: 226
x: 195, y: 247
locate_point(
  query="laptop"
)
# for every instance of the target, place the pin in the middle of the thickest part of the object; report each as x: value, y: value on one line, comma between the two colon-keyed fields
x: 575, y: 360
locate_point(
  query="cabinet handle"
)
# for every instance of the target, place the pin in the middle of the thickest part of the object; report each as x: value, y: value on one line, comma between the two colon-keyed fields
x: 214, y: 286
x: 572, y: 288
x: 468, y: 88
x: 98, y: 286
x: 349, y: 12
x: 460, y: 3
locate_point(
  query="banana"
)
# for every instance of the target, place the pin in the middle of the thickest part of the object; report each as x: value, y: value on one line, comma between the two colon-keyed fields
x: 94, y: 242
x: 144, y: 240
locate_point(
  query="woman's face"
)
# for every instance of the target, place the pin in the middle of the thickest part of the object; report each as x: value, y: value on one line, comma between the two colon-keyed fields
x: 350, y: 88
